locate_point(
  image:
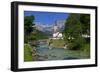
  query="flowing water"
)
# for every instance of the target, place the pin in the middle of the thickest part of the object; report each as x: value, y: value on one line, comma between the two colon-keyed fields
x: 46, y: 53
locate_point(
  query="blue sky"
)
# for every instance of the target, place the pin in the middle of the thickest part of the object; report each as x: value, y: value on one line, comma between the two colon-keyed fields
x: 46, y: 17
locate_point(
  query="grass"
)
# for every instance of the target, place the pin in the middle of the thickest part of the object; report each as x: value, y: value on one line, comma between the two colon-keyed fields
x: 86, y: 49
x: 58, y: 43
x: 27, y: 53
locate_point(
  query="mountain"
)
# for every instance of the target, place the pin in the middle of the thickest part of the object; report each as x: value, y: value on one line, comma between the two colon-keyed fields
x: 48, y: 29
x: 44, y: 27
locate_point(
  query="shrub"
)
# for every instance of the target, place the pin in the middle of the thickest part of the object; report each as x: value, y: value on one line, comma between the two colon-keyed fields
x: 76, y: 44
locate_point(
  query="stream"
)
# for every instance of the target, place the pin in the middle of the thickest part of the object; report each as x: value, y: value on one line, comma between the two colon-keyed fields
x: 45, y: 53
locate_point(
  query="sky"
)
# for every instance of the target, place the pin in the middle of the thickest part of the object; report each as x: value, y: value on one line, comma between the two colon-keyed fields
x: 46, y: 17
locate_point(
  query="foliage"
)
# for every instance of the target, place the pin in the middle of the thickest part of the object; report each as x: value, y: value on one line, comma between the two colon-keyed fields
x: 29, y: 38
x: 40, y: 35
x: 36, y: 35
x: 77, y: 44
x: 28, y: 23
x: 85, y: 21
x: 75, y: 26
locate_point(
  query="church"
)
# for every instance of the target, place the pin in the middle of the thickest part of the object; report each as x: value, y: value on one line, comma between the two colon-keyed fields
x: 56, y: 33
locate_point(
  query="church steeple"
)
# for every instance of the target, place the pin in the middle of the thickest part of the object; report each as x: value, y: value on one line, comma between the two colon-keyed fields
x: 55, y: 28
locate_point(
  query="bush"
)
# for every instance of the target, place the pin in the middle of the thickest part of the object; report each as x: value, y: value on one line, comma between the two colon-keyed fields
x: 32, y: 37
x: 25, y: 39
x: 29, y: 38
x: 76, y: 44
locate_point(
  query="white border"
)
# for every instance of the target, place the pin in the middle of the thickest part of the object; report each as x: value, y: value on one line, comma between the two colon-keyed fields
x: 22, y: 64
